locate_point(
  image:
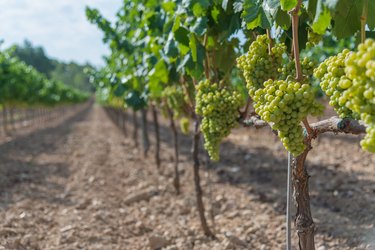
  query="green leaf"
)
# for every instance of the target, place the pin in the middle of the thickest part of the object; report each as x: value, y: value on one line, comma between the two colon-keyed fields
x: 120, y: 90
x: 283, y: 19
x: 181, y: 36
x: 169, y: 6
x: 199, y: 7
x: 161, y: 71
x: 237, y: 6
x: 200, y: 26
x: 193, y: 47
x: 322, y: 19
x: 170, y: 48
x: 287, y: 5
x: 347, y: 18
x: 311, y: 8
x: 198, y: 10
x: 225, y: 57
x: 255, y: 16
x: 177, y: 23
x: 370, y: 15
x: 224, y: 4
x: 215, y: 12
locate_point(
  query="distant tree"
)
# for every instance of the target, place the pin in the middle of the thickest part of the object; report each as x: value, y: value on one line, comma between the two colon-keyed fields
x: 36, y: 57
x: 72, y: 74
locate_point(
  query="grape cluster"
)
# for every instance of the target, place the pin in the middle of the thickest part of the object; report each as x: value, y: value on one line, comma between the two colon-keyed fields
x: 360, y: 69
x: 289, y: 68
x: 284, y: 104
x: 184, y: 125
x: 279, y: 99
x: 219, y: 108
x: 334, y: 83
x: 349, y: 80
x: 259, y: 64
x: 313, y: 39
x: 175, y: 99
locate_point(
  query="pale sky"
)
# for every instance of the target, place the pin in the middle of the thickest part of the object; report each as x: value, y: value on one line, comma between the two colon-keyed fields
x: 60, y: 26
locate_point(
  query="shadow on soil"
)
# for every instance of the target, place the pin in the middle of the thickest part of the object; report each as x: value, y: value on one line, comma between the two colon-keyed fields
x: 18, y: 166
x: 333, y: 191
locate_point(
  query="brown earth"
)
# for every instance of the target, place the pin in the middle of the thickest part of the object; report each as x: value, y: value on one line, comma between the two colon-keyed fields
x: 80, y: 184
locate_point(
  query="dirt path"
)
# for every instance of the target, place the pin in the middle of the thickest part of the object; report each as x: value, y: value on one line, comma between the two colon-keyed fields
x: 82, y: 185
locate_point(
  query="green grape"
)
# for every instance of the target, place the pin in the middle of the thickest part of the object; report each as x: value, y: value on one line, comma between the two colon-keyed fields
x: 219, y: 108
x: 259, y: 65
x: 184, y: 125
x: 291, y: 103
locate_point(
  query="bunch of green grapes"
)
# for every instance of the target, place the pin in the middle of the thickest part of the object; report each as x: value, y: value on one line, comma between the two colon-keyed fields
x: 184, y: 125
x: 284, y: 104
x: 360, y: 70
x: 219, y: 109
x: 334, y: 83
x: 259, y: 65
x: 175, y: 98
x: 313, y: 39
x: 289, y: 68
x: 349, y: 80
x: 368, y: 142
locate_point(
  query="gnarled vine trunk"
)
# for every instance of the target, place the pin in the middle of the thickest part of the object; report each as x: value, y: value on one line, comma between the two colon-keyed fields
x: 5, y: 120
x: 135, y: 129
x: 176, y: 179
x: 304, y: 223
x: 198, y: 189
x: 145, y: 139
x: 157, y: 136
x: 124, y: 128
x: 12, y: 122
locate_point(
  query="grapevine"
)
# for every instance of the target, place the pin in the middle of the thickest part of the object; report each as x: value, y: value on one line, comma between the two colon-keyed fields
x: 279, y: 99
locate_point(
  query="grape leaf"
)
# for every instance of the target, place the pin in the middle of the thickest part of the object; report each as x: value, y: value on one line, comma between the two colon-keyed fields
x: 347, y: 18
x: 254, y: 15
x: 200, y: 26
x: 370, y: 15
x: 181, y: 36
x: 288, y: 4
x: 322, y: 18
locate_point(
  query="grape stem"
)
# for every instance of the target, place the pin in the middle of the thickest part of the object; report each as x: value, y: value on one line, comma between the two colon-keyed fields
x: 309, y: 130
x: 206, y: 65
x: 243, y: 114
x: 364, y: 20
x: 294, y: 15
x: 270, y: 43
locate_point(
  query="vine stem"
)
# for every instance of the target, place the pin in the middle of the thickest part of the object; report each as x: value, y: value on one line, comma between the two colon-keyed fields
x: 307, y: 126
x: 364, y: 20
x: 294, y: 14
x: 289, y: 205
x: 206, y: 64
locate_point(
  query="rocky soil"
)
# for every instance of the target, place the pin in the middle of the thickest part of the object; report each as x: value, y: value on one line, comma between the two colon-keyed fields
x: 81, y: 184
